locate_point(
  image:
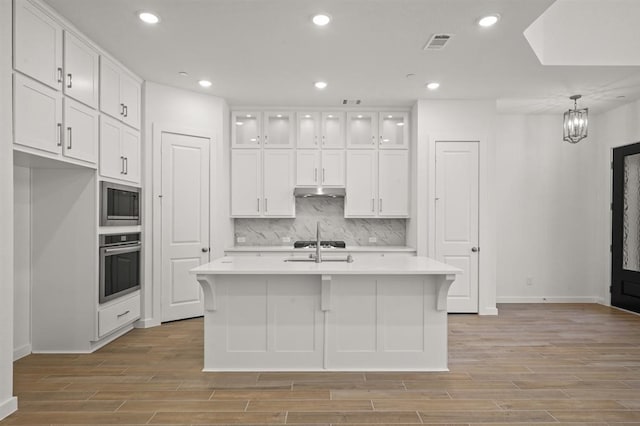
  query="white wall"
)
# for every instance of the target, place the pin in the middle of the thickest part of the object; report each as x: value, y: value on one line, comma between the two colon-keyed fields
x: 22, y: 262
x: 8, y: 403
x: 464, y: 120
x: 545, y: 205
x: 617, y: 127
x: 166, y: 106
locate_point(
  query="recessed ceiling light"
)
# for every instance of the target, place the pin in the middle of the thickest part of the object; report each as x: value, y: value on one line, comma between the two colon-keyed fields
x: 320, y: 84
x: 248, y: 115
x: 307, y: 116
x: 279, y: 115
x: 148, y: 17
x: 389, y: 116
x: 489, y: 20
x: 321, y: 19
x: 239, y: 123
x: 400, y: 123
x: 204, y: 83
x: 330, y: 116
x: 359, y: 116
x: 433, y: 85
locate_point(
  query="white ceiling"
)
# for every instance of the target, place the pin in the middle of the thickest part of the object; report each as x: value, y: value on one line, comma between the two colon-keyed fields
x: 267, y: 52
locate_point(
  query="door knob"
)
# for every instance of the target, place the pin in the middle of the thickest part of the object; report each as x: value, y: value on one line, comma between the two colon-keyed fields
x: 475, y: 249
x: 205, y: 249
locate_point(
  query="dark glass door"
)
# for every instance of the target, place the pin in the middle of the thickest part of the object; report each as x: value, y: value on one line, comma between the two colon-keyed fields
x: 625, y: 247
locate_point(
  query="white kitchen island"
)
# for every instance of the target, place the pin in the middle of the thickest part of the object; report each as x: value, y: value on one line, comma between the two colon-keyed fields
x: 262, y: 313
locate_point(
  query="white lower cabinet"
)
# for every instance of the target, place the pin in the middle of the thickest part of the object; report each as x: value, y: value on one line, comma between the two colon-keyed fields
x: 119, y: 151
x: 115, y: 316
x: 262, y: 183
x: 377, y: 184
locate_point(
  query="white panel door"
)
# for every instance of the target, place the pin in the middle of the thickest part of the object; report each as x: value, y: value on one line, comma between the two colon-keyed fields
x: 110, y: 88
x: 81, y: 67
x: 130, y: 151
x: 393, y: 183
x: 130, y: 100
x: 278, y: 178
x: 81, y: 132
x: 332, y: 168
x: 185, y: 222
x: 246, y: 179
x: 307, y: 167
x: 37, y: 115
x: 361, y: 188
x: 37, y: 44
x: 457, y: 219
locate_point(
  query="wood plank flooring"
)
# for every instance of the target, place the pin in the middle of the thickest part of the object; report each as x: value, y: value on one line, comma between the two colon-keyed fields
x: 532, y: 364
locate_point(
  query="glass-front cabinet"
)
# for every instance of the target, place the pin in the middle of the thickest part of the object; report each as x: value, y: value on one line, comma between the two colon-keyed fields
x: 308, y: 130
x: 362, y: 130
x: 332, y: 130
x: 246, y: 129
x: 278, y: 130
x: 394, y: 130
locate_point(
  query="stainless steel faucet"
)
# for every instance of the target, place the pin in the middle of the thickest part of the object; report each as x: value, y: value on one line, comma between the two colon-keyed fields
x: 318, y: 257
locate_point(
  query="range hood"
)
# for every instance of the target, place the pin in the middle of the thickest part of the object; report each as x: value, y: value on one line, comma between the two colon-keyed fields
x: 319, y: 192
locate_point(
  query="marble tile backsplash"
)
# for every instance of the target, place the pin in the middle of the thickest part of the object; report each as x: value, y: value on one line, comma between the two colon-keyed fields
x: 333, y: 225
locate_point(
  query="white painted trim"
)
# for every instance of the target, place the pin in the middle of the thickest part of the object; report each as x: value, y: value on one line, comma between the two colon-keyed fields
x: 9, y: 406
x: 488, y: 311
x: 146, y: 323
x: 155, y: 217
x: 22, y: 351
x: 554, y: 299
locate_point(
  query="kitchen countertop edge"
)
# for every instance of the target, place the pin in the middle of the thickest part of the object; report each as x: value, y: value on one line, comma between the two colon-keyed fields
x: 352, y: 249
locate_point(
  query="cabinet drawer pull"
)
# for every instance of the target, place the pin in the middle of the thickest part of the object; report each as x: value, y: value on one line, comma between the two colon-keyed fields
x: 373, y: 208
x: 258, y: 205
x: 70, y: 141
x: 59, y: 75
x: 126, y: 111
x: 123, y: 314
x: 266, y: 205
x: 69, y: 84
x: 121, y: 165
x: 323, y: 175
x: 60, y: 135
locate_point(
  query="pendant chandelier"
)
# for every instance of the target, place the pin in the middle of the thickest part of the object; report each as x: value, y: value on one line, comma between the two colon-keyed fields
x: 575, y: 124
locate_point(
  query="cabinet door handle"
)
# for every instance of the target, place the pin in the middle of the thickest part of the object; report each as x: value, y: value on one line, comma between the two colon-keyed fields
x: 266, y: 205
x: 123, y: 314
x: 126, y: 111
x: 323, y: 175
x: 258, y: 205
x: 315, y: 175
x: 121, y: 165
x: 380, y: 204
x: 126, y: 165
x: 373, y: 207
x: 69, y: 145
x: 69, y: 84
x: 59, y: 75
x: 121, y: 109
x: 60, y: 135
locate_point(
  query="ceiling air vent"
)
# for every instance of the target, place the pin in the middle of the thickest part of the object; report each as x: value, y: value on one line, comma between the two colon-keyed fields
x: 351, y: 102
x: 438, y: 41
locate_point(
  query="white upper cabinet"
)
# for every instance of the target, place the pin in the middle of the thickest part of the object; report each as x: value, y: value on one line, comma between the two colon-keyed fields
x: 37, y: 115
x: 393, y: 183
x: 81, y: 132
x: 307, y: 167
x: 332, y: 130
x: 361, y: 190
x: 37, y: 44
x: 81, y: 65
x: 246, y: 183
x: 278, y: 183
x: 246, y: 129
x: 394, y: 130
x: 362, y: 130
x: 120, y: 153
x: 332, y: 173
x: 119, y: 93
x: 278, y: 129
x: 308, y: 125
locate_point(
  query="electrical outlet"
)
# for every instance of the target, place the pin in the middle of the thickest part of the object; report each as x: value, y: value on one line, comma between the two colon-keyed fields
x: 373, y: 240
x: 529, y: 281
x: 286, y: 239
x: 241, y: 239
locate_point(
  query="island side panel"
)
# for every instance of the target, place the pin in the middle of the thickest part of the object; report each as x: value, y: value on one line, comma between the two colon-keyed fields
x: 265, y: 322
x: 386, y: 323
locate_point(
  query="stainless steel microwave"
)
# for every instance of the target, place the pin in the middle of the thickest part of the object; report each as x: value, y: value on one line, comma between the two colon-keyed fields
x: 119, y: 204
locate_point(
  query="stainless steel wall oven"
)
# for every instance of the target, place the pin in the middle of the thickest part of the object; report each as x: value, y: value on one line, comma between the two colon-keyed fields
x: 120, y: 265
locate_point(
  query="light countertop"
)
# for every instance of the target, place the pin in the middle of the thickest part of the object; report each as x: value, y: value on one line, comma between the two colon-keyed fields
x: 348, y: 249
x: 275, y: 265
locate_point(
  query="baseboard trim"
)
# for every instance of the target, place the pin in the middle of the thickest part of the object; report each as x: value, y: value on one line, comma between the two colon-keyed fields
x: 488, y: 311
x: 552, y: 299
x: 21, y: 352
x: 8, y: 407
x: 147, y: 323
